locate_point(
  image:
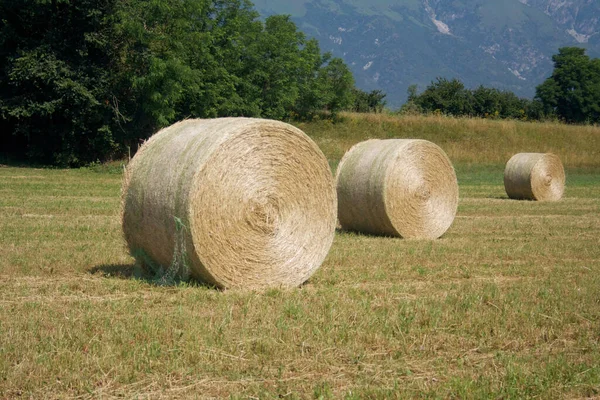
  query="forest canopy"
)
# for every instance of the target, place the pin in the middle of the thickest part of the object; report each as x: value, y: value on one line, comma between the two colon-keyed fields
x: 571, y: 94
x: 88, y: 80
x: 81, y: 81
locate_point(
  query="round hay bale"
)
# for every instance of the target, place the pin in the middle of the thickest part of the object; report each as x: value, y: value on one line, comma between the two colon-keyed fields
x: 240, y: 202
x: 397, y: 187
x: 534, y: 176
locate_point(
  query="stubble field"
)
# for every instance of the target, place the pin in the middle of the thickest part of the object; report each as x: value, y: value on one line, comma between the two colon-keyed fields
x: 505, y: 305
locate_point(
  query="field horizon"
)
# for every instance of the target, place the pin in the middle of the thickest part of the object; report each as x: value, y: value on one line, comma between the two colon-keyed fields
x: 504, y: 305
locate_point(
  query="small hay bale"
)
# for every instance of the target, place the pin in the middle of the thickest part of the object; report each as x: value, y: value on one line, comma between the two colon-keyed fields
x: 534, y: 176
x: 239, y: 202
x: 397, y: 187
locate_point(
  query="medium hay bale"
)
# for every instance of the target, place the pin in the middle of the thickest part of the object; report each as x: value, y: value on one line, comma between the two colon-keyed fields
x: 240, y: 202
x: 534, y: 176
x: 398, y: 187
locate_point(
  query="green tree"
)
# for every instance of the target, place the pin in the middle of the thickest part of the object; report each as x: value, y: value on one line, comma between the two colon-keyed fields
x: 81, y: 81
x: 279, y: 51
x: 494, y: 103
x: 54, y: 80
x: 411, y: 106
x: 447, y: 96
x: 311, y: 95
x: 337, y: 83
x: 572, y: 92
x: 365, y: 102
x: 412, y: 92
x: 183, y: 59
x: 451, y: 97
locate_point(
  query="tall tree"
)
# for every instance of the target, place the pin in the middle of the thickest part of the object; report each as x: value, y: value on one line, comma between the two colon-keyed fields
x: 181, y: 58
x: 572, y: 92
x: 372, y: 101
x: 491, y: 102
x: 449, y: 96
x: 311, y: 97
x: 81, y: 80
x: 279, y: 49
x: 337, y: 83
x: 54, y: 79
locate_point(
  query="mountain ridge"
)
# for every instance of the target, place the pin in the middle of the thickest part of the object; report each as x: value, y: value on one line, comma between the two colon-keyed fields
x: 389, y: 45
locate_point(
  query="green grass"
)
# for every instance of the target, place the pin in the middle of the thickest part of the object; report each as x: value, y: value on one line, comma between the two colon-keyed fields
x: 505, y: 305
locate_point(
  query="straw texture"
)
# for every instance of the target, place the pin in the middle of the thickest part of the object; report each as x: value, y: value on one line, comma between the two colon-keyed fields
x: 242, y: 202
x: 397, y: 187
x: 534, y: 176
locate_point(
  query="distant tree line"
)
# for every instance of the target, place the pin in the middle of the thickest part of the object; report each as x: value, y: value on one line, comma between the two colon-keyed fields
x: 83, y: 80
x: 368, y: 102
x: 571, y: 94
x: 453, y: 98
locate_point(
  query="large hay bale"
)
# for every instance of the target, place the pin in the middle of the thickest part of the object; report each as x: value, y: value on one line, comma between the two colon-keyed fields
x: 241, y: 202
x: 534, y: 176
x: 398, y: 187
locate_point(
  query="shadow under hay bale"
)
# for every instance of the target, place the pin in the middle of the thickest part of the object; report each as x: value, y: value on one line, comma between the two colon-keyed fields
x: 137, y: 272
x: 123, y: 271
x: 534, y: 176
x: 397, y: 187
x: 232, y: 202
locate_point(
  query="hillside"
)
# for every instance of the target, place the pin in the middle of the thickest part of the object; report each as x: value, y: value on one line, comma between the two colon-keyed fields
x: 467, y: 141
x: 390, y: 45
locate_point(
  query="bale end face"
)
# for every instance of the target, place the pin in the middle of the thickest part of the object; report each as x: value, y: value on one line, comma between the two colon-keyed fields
x: 534, y: 176
x: 255, y: 198
x: 397, y: 187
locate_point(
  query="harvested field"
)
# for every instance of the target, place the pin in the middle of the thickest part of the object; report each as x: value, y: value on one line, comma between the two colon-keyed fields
x: 504, y: 305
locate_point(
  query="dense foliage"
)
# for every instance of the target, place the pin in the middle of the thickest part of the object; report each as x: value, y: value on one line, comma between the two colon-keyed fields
x: 573, y: 90
x: 83, y: 80
x: 571, y: 94
x: 453, y: 98
x: 55, y: 83
x: 366, y: 102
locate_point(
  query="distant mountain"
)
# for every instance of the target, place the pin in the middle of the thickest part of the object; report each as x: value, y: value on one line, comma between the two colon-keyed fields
x: 389, y: 45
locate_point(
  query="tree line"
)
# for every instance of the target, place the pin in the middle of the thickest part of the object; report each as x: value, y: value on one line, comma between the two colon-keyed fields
x: 86, y: 80
x: 82, y: 80
x: 571, y: 94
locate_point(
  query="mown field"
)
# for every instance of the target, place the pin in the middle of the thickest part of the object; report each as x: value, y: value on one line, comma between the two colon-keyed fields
x: 505, y: 305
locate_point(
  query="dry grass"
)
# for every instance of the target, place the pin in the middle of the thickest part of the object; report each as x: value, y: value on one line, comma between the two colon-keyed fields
x: 505, y: 305
x: 465, y: 140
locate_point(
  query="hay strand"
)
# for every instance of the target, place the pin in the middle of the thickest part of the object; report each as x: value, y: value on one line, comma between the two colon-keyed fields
x: 534, y: 176
x: 252, y: 202
x: 397, y: 187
